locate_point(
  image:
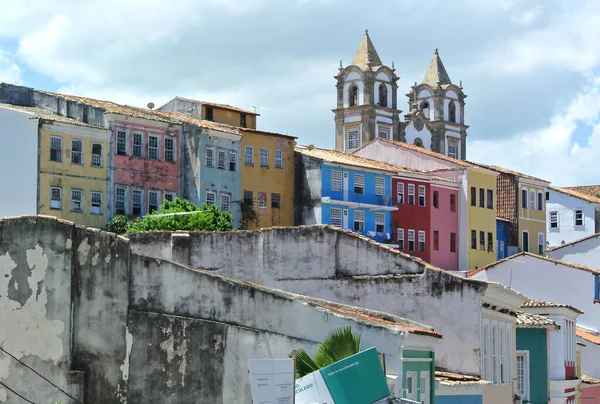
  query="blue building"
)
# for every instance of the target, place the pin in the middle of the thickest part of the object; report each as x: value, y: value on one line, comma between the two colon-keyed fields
x: 502, y: 238
x: 211, y: 165
x: 344, y: 190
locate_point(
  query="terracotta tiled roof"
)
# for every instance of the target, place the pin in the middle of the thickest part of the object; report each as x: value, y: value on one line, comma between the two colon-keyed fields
x: 457, y: 378
x: 576, y: 194
x: 418, y: 149
x: 591, y: 190
x: 352, y: 160
x: 436, y: 72
x: 536, y: 304
x: 200, y: 122
x: 595, y: 235
x: 581, y: 333
x: 263, y: 132
x: 44, y: 114
x: 528, y: 320
x: 366, y: 54
x: 507, y: 171
x: 589, y: 380
x: 221, y: 106
x: 113, y: 108
x: 540, y: 257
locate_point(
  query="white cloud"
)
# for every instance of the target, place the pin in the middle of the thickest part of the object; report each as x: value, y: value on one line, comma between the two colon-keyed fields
x: 9, y: 69
x: 552, y: 152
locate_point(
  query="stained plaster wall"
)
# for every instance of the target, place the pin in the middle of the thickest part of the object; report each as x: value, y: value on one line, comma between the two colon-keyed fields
x: 108, y: 326
x: 332, y: 264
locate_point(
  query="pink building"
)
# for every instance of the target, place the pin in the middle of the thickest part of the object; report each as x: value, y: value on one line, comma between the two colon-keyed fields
x: 145, y: 155
x: 444, y: 223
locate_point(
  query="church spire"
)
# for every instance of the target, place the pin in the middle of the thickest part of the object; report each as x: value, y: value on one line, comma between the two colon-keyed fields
x: 366, y: 56
x: 436, y: 73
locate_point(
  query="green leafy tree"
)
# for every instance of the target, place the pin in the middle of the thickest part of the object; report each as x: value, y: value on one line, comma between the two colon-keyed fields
x: 119, y: 224
x: 338, y: 345
x: 170, y: 218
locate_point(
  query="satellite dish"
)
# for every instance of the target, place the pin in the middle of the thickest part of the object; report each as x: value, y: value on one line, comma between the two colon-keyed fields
x: 150, y: 105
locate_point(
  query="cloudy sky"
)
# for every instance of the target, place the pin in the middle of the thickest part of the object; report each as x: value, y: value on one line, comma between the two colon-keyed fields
x: 530, y: 68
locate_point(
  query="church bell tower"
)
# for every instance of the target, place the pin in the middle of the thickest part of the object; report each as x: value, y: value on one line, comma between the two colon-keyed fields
x: 366, y: 100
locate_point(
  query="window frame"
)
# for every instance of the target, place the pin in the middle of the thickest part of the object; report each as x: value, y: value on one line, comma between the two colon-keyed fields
x: 485, y: 349
x: 213, y: 197
x: 411, y: 239
x: 379, y: 186
x: 436, y: 199
x: 482, y: 197
x: 134, y: 192
x: 209, y: 161
x: 95, y: 210
x: 399, y: 193
x: 541, y: 240
x: 152, y: 148
x: 248, y: 197
x: 473, y: 196
x: 333, y: 180
x: 157, y: 194
x: 118, y: 150
x: 379, y: 222
x: 490, y: 241
x: 172, y: 194
x: 78, y: 209
x: 422, y: 199
x: 525, y: 375
x: 79, y: 153
x: 455, y: 154
x: 421, y: 241
x: 59, y: 158
x: 354, y: 140
x: 524, y: 198
x: 436, y: 240
x: 249, y: 155
x: 171, y: 151
x: 490, y: 199
x: 452, y: 242
x: 140, y: 146
x: 575, y: 212
x: 334, y: 217
x: 264, y: 157
x: 358, y: 217
x: 275, y: 201
x: 532, y: 199
x: 125, y: 190
x: 232, y: 160
x: 100, y: 158
x: 411, y: 194
x: 225, y: 201
x: 473, y: 239
x: 452, y: 203
x: 550, y: 221
x: 58, y: 206
x: 400, y: 238
x: 221, y: 159
x: 525, y: 248
x: 482, y: 240
x: 540, y: 196
x: 411, y: 393
x: 358, y: 182
x: 278, y: 158
x: 494, y: 346
x: 261, y: 200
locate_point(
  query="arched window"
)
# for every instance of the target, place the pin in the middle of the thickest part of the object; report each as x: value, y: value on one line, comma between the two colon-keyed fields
x: 383, y: 96
x: 418, y: 142
x: 425, y: 108
x: 452, y: 111
x: 353, y: 95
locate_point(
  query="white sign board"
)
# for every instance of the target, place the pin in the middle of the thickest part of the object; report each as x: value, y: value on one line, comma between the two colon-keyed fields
x: 311, y: 389
x: 272, y: 381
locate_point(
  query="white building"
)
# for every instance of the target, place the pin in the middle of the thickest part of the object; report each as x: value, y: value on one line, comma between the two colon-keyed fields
x: 549, y: 280
x: 571, y: 215
x: 585, y: 251
x: 19, y: 161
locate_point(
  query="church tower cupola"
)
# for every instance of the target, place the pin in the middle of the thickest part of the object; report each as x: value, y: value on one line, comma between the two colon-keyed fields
x: 366, y: 99
x: 436, y: 112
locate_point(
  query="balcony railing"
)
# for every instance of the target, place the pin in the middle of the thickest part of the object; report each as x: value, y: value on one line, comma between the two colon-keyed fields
x: 371, y: 199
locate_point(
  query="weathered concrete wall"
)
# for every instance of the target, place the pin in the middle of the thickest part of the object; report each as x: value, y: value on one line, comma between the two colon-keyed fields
x: 104, y: 325
x: 307, y: 190
x: 336, y: 265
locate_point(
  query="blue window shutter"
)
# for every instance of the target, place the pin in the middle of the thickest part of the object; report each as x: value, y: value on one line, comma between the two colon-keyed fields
x: 597, y: 286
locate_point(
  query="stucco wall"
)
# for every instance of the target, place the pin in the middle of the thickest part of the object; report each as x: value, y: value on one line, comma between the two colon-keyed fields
x: 585, y: 252
x: 335, y: 265
x: 108, y: 326
x: 481, y: 219
x: 307, y: 190
x: 590, y: 358
x: 19, y: 157
x: 445, y: 221
x: 565, y: 206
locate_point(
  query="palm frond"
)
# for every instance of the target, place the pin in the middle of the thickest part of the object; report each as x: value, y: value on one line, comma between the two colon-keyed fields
x: 338, y: 345
x: 304, y: 364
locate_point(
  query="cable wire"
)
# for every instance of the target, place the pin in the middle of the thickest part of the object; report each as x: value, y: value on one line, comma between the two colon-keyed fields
x: 37, y: 373
x: 14, y: 392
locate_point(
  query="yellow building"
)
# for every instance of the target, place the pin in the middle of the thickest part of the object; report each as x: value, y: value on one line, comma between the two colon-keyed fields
x: 73, y: 160
x: 267, y: 179
x: 481, y: 216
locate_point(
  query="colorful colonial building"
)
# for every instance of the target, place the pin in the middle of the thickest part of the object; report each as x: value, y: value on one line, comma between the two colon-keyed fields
x: 476, y: 196
x: 66, y: 176
x: 346, y: 191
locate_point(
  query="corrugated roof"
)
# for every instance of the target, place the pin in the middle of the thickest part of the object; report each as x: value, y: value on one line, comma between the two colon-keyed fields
x: 529, y: 320
x: 540, y: 257
x: 334, y: 156
x: 366, y: 54
x: 46, y: 115
x: 217, y: 105
x: 583, y: 334
x: 507, y: 171
x: 436, y: 72
x: 575, y: 194
x: 536, y: 304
